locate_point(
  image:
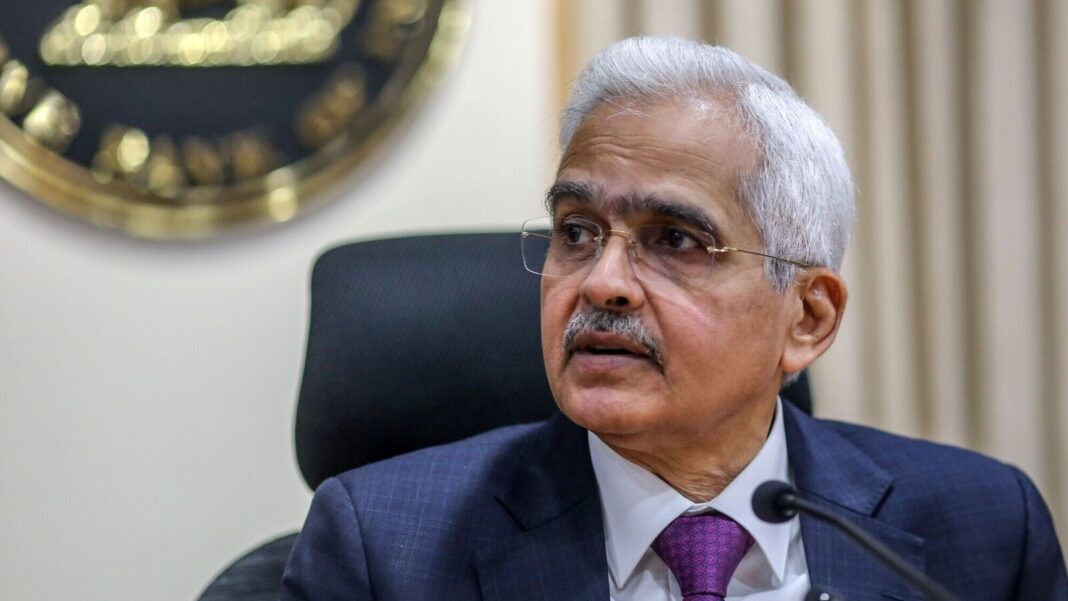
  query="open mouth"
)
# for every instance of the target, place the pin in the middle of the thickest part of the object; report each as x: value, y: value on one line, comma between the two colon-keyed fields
x: 607, y: 350
x: 607, y: 340
x: 608, y: 344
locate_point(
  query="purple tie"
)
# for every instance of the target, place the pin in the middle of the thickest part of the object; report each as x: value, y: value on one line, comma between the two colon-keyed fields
x: 702, y: 551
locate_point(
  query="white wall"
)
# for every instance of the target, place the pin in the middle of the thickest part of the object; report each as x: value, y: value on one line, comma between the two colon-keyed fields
x: 147, y: 390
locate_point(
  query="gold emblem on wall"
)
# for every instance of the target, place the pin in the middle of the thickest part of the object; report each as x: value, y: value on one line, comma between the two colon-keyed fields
x: 181, y: 118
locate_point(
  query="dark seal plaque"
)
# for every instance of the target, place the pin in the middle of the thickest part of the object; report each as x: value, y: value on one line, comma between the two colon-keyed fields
x: 184, y: 118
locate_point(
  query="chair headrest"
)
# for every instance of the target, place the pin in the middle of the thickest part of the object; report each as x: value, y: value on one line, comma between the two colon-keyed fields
x: 420, y: 341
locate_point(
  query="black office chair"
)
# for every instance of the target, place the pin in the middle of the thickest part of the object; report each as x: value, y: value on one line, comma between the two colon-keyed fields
x: 413, y: 342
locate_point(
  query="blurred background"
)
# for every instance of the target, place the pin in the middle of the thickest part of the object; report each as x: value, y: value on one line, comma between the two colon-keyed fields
x: 147, y: 389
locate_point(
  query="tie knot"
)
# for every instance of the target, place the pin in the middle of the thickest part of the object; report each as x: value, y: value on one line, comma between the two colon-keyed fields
x: 702, y: 551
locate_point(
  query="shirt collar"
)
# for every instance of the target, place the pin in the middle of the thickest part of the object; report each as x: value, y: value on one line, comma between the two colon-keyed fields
x: 638, y: 505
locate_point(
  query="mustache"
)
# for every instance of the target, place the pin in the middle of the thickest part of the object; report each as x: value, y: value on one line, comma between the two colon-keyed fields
x: 622, y: 324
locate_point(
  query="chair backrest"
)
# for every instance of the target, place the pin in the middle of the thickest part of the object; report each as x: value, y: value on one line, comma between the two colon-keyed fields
x: 414, y: 342
x: 420, y: 341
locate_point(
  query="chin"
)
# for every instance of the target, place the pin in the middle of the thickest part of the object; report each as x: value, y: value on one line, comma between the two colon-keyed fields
x: 608, y: 411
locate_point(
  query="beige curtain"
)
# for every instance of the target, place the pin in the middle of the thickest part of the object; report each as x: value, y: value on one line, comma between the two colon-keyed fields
x: 953, y: 117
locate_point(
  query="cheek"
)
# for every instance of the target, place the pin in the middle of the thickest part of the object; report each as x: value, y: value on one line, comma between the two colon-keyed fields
x: 687, y: 323
x: 557, y: 305
x: 695, y: 340
x: 713, y: 336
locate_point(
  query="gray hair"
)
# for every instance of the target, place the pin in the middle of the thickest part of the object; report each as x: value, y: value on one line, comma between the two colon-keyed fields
x: 801, y: 197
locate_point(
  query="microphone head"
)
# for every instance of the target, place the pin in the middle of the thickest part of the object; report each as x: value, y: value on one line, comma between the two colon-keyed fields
x: 772, y: 502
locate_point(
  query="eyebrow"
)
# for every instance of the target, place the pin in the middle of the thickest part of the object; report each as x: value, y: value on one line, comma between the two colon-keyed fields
x: 631, y: 203
x: 580, y: 191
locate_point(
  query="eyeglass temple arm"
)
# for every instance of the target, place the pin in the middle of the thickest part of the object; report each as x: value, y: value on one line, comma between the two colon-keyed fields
x: 729, y: 249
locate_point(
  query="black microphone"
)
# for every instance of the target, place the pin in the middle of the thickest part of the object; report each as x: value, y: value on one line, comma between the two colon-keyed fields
x: 776, y: 502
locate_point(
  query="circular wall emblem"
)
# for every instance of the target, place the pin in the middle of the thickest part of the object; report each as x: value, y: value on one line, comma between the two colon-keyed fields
x: 183, y: 118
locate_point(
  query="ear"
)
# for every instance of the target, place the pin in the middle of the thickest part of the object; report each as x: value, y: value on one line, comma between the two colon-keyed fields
x: 818, y: 302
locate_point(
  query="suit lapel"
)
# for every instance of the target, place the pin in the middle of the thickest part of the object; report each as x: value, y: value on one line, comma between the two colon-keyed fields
x: 831, y: 471
x: 559, y: 552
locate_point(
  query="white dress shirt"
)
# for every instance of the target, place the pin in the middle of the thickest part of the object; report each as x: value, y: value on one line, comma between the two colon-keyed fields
x: 637, y: 506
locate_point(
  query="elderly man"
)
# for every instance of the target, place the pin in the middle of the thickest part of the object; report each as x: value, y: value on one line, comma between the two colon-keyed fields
x: 696, y: 226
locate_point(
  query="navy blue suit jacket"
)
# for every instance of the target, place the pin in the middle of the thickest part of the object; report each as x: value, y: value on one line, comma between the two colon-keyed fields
x: 514, y: 515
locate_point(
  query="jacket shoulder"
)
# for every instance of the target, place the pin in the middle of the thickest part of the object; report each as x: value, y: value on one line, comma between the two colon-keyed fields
x: 905, y: 456
x: 445, y: 469
x: 933, y: 478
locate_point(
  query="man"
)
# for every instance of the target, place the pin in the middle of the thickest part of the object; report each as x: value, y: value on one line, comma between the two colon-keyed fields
x: 697, y: 223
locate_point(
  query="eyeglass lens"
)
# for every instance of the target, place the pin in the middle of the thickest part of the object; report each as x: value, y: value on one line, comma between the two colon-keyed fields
x: 674, y: 251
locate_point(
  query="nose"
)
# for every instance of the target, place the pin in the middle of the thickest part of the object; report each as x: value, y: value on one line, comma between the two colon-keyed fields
x: 611, y: 282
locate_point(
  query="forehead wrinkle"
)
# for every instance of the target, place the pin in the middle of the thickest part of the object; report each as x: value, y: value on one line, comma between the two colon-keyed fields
x: 688, y: 158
